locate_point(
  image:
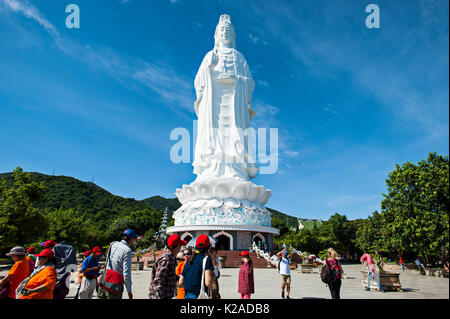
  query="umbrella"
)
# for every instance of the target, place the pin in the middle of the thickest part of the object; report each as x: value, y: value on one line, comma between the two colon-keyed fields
x: 191, y: 243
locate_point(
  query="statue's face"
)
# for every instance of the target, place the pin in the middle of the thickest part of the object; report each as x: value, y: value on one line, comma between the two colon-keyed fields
x: 225, y: 33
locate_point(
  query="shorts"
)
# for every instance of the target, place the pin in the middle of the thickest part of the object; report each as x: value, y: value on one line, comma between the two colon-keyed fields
x: 285, y: 279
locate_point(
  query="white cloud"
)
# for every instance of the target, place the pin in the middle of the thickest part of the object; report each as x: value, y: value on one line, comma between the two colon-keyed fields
x: 263, y: 83
x: 409, y: 78
x: 291, y: 153
x: 253, y: 38
x: 163, y: 80
x: 31, y: 12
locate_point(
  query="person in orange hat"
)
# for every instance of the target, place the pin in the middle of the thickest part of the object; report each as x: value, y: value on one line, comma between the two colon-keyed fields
x: 41, y: 283
x: 246, y: 279
x: 199, y: 266
x: 164, y: 278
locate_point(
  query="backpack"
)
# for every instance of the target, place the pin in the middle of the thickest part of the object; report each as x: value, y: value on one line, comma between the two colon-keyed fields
x: 65, y: 262
x: 329, y: 274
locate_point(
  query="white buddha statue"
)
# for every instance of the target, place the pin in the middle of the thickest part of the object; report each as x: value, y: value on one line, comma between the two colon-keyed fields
x: 222, y: 193
x: 224, y: 87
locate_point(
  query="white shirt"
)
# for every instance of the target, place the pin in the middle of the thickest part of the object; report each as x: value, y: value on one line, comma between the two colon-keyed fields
x: 284, y: 266
x: 219, y: 266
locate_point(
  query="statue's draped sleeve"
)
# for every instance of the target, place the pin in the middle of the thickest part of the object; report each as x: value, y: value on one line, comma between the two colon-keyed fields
x: 249, y: 87
x: 203, y: 108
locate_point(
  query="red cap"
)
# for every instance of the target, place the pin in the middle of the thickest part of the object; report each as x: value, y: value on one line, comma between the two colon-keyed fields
x: 174, y: 241
x: 244, y: 254
x: 87, y: 253
x: 202, y: 241
x: 97, y: 250
x: 31, y: 250
x: 49, y: 244
x: 46, y: 253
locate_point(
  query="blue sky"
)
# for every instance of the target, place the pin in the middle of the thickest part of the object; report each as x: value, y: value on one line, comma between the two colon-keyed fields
x: 349, y: 102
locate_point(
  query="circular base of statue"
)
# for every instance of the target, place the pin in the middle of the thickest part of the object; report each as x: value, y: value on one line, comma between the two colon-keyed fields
x: 216, y: 212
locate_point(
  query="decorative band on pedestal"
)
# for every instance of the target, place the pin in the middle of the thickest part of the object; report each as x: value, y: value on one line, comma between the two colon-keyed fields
x: 261, y: 229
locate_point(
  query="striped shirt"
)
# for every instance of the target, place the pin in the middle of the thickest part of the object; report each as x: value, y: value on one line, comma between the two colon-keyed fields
x: 120, y: 261
x: 164, y: 278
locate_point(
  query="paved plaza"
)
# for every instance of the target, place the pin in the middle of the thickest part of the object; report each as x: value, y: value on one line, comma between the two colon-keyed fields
x: 307, y: 286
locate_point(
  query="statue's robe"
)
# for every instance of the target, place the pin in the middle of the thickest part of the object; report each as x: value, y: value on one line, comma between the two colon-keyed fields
x: 209, y: 153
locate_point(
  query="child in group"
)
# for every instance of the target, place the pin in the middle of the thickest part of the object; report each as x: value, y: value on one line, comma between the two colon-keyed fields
x: 246, y: 279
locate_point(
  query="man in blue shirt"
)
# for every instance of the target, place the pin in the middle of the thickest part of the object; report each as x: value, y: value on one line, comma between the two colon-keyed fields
x: 191, y: 276
x: 90, y: 268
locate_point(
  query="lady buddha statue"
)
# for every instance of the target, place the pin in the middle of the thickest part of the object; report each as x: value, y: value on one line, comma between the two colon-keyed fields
x: 224, y: 87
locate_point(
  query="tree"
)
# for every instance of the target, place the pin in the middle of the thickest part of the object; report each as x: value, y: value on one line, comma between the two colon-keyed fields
x: 279, y: 224
x: 144, y: 222
x: 338, y: 232
x: 371, y: 235
x: 20, y: 222
x: 305, y: 240
x: 68, y: 225
x: 415, y: 208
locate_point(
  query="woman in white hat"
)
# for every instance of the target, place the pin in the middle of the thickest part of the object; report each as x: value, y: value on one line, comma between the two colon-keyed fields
x: 18, y: 272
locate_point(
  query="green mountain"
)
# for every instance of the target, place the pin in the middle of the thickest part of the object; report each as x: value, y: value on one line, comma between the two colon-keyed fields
x: 99, y: 205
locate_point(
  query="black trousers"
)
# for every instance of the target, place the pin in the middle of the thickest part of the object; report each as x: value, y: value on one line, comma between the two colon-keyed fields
x: 335, y: 289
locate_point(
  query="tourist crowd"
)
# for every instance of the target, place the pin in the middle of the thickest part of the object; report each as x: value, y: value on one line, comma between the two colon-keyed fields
x: 181, y: 272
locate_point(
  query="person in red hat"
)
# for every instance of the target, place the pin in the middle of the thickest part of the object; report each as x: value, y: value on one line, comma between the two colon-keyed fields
x: 41, y: 283
x: 164, y: 279
x: 90, y: 268
x: 31, y: 258
x: 191, y: 277
x: 49, y: 244
x: 80, y: 275
x: 246, y: 279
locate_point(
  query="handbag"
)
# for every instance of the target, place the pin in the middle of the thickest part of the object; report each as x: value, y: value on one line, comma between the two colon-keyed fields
x: 203, y: 294
x: 4, y: 291
x: 111, y: 280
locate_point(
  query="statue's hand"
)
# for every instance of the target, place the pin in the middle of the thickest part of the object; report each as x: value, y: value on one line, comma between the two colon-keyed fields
x: 214, y: 59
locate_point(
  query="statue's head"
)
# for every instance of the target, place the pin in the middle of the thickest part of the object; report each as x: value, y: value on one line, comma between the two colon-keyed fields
x: 225, y: 32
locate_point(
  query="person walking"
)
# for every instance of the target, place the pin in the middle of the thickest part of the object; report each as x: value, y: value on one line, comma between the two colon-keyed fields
x: 31, y: 258
x: 119, y: 261
x: 164, y: 279
x: 49, y: 244
x: 199, y: 266
x: 80, y: 275
x: 18, y: 272
x: 371, y: 273
x: 214, y: 288
x: 246, y: 279
x: 41, y: 283
x: 90, y: 269
x: 402, y: 264
x: 285, y: 272
x: 420, y: 266
x: 335, y: 266
x: 187, y: 254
